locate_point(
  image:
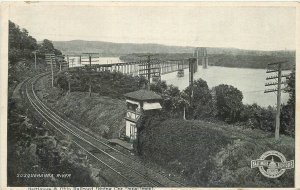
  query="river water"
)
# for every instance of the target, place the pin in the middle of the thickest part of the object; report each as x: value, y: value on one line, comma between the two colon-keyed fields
x: 250, y: 81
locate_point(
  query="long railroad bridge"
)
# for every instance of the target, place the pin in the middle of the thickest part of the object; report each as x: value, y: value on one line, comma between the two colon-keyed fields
x: 148, y: 67
x: 142, y: 67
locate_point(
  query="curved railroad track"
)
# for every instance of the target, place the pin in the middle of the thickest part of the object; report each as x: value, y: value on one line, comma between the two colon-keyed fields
x: 128, y: 171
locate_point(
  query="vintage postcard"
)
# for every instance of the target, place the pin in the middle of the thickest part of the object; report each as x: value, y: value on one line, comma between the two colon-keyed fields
x: 131, y: 95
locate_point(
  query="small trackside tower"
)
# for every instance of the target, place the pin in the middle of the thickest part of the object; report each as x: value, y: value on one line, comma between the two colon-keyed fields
x: 139, y: 102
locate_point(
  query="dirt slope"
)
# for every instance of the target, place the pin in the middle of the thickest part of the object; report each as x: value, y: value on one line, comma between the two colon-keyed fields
x: 102, y: 116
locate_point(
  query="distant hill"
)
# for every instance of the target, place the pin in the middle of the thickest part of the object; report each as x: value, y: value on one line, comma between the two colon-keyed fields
x: 227, y: 57
x: 118, y: 49
x: 255, y: 60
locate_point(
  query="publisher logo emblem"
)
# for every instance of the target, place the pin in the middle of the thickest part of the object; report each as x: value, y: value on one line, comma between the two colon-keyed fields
x: 272, y: 164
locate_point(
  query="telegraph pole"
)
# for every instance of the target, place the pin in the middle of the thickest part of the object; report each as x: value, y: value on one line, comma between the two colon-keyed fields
x: 60, y: 59
x: 52, y: 81
x: 90, y: 77
x: 90, y: 70
x: 278, y: 103
x: 59, y: 66
x: 49, y: 59
x: 192, y: 62
x: 147, y: 68
x: 34, y: 59
x: 72, y: 61
x: 68, y: 61
x: 277, y: 69
x: 148, y: 71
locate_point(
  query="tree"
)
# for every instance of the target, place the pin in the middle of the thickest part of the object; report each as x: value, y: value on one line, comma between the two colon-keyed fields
x: 202, y: 100
x: 47, y: 47
x: 291, y: 87
x: 201, y: 93
x: 228, y: 102
x: 21, y: 45
x: 287, y: 116
x: 159, y: 86
x: 175, y: 102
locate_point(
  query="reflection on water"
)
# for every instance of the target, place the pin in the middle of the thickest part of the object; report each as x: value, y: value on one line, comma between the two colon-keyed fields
x: 250, y: 81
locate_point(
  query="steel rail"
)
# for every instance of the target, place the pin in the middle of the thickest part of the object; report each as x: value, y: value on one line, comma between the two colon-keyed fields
x: 154, y: 183
x: 39, y: 110
x: 85, y: 140
x: 59, y: 119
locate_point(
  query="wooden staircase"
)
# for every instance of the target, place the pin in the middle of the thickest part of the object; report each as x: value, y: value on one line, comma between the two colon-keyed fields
x: 122, y: 133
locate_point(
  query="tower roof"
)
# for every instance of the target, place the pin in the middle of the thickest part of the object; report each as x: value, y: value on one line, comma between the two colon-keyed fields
x: 143, y: 95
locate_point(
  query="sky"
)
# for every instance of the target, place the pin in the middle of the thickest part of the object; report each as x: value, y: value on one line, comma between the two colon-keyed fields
x: 257, y: 28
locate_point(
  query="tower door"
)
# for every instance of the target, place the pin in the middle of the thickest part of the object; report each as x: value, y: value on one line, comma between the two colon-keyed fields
x: 133, y: 131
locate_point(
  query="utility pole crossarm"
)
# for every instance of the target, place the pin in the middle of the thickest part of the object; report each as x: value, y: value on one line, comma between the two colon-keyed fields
x: 147, y: 69
x: 272, y: 71
x: 275, y: 83
x: 270, y: 90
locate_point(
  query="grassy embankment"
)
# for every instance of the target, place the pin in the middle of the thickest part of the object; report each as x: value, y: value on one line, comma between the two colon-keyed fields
x: 101, y: 116
x: 212, y: 154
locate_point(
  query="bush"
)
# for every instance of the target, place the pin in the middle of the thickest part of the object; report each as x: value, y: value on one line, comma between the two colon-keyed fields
x: 287, y: 120
x: 159, y: 87
x: 257, y: 117
x: 106, y: 83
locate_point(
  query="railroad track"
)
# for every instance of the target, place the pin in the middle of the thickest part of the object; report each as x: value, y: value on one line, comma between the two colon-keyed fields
x: 129, y: 172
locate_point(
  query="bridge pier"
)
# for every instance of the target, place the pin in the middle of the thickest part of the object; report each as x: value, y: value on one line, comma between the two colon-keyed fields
x: 201, y: 56
x: 135, y: 69
x: 131, y: 68
x: 204, y: 62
